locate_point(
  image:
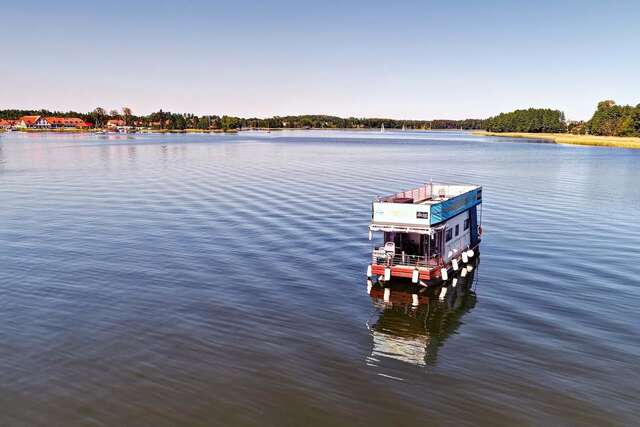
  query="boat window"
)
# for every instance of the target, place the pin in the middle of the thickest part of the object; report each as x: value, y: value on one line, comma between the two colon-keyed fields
x: 466, y: 224
x: 457, y: 229
x: 449, y: 234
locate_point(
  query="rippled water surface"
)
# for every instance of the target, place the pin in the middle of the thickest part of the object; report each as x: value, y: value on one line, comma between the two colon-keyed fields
x: 219, y: 280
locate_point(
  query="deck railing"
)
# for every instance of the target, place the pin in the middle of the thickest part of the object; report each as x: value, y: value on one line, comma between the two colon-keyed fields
x: 381, y: 257
x: 420, y: 193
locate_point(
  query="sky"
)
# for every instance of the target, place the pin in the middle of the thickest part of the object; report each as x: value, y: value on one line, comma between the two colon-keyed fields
x: 393, y: 59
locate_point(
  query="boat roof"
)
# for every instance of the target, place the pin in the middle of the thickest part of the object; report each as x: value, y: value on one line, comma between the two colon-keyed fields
x: 423, y: 208
x: 429, y: 194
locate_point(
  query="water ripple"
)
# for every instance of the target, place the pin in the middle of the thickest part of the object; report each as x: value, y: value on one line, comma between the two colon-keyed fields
x: 180, y: 279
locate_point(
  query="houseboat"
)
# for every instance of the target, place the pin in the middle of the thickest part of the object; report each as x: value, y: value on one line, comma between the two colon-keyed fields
x: 429, y: 234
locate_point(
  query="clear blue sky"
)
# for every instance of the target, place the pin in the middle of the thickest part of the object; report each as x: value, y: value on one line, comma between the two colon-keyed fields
x: 404, y: 59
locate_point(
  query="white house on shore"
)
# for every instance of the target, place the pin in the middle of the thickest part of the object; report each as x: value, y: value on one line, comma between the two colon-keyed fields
x: 32, y: 122
x: 40, y: 122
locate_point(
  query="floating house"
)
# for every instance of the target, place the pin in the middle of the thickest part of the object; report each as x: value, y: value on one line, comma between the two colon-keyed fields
x: 429, y: 233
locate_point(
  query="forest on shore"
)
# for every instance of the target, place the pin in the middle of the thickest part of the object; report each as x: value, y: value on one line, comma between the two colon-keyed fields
x: 529, y: 120
x: 609, y: 119
x: 179, y: 121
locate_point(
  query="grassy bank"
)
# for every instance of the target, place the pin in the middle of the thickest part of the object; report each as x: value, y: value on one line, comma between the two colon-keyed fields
x: 566, y: 138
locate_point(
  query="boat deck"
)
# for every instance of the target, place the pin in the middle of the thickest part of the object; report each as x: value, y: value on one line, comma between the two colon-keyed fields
x: 428, y: 194
x: 421, y: 208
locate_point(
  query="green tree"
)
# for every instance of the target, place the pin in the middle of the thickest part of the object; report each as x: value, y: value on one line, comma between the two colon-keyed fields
x: 98, y: 115
x: 126, y: 114
x: 203, y: 123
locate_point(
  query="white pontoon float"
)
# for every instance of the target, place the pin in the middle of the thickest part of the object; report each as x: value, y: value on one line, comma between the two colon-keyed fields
x: 429, y: 232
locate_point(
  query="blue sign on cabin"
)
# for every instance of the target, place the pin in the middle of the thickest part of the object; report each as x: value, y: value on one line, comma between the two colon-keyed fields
x: 456, y: 205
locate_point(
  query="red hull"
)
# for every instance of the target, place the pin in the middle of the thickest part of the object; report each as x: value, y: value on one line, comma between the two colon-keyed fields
x: 404, y: 271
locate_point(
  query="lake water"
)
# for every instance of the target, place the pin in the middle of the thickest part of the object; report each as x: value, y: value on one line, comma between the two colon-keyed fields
x: 184, y: 280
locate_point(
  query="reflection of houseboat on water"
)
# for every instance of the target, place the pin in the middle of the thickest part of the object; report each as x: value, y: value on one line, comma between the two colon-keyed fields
x: 414, y: 333
x: 429, y: 232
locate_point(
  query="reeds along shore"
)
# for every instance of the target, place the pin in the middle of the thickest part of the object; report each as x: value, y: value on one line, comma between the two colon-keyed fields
x: 567, y: 138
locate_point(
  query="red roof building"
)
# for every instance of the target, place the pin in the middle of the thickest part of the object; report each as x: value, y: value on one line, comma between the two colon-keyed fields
x: 67, y: 122
x: 55, y: 122
x: 5, y: 124
x: 114, y: 123
x: 49, y: 122
x: 32, y: 122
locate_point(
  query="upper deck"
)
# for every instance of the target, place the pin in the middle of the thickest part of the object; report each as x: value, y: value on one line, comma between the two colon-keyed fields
x: 421, y: 208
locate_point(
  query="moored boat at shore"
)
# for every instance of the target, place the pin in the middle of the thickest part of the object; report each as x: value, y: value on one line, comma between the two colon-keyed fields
x: 430, y: 233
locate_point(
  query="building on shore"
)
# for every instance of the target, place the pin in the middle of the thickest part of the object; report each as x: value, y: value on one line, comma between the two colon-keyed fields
x: 7, y: 124
x: 115, y: 123
x: 67, y: 122
x: 40, y: 122
x: 33, y: 122
x: 119, y: 125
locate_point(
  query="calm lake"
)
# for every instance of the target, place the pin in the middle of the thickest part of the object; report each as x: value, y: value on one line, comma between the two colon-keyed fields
x: 187, y: 280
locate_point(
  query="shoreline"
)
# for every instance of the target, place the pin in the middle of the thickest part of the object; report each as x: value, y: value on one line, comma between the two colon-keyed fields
x: 99, y: 130
x: 235, y: 130
x: 553, y: 138
x: 571, y: 139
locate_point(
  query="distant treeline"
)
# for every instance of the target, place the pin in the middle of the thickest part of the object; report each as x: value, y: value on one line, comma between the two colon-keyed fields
x: 167, y: 120
x: 16, y: 114
x: 530, y: 120
x: 609, y: 119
